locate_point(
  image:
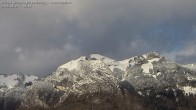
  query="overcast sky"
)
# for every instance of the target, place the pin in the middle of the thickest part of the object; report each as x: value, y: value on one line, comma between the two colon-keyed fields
x: 38, y: 40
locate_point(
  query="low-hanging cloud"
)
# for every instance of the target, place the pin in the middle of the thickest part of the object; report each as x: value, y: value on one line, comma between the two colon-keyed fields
x: 38, y: 40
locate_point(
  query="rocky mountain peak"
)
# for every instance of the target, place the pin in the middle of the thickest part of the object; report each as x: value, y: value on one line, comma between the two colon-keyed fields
x: 152, y: 55
x: 145, y: 82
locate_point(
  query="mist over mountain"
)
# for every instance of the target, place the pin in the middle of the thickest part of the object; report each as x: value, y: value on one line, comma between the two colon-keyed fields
x: 144, y: 82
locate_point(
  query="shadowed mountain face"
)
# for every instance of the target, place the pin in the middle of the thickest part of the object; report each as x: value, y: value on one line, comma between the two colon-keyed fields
x: 146, y: 82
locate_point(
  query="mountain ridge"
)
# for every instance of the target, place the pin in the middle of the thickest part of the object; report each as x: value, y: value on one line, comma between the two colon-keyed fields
x: 99, y: 82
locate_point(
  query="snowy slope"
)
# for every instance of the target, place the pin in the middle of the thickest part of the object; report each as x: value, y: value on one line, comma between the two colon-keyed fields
x: 9, y: 81
x: 15, y: 80
x: 190, y: 66
x: 150, y: 70
x: 99, y: 80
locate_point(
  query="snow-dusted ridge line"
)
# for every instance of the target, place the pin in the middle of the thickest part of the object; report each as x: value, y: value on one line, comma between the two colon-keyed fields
x: 110, y: 62
x: 11, y: 81
x: 132, y: 69
x: 72, y: 64
x: 101, y: 80
x: 122, y: 65
x: 190, y: 66
x: 146, y: 62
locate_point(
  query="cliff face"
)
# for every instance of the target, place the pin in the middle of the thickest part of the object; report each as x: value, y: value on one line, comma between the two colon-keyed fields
x: 146, y: 82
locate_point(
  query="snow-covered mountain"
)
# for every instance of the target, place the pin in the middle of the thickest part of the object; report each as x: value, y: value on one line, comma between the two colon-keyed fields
x: 145, y: 82
x: 15, y: 80
x: 190, y: 66
x: 150, y: 70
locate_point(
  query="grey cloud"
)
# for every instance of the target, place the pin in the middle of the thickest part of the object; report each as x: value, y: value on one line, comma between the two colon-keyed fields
x: 38, y: 40
x: 187, y: 54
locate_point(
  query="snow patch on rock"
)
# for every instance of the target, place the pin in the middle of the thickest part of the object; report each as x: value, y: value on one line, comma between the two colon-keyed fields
x: 159, y: 73
x: 122, y: 65
x: 189, y: 90
x: 10, y: 81
x: 30, y: 78
x: 147, y: 66
x: 72, y: 64
x: 190, y: 66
